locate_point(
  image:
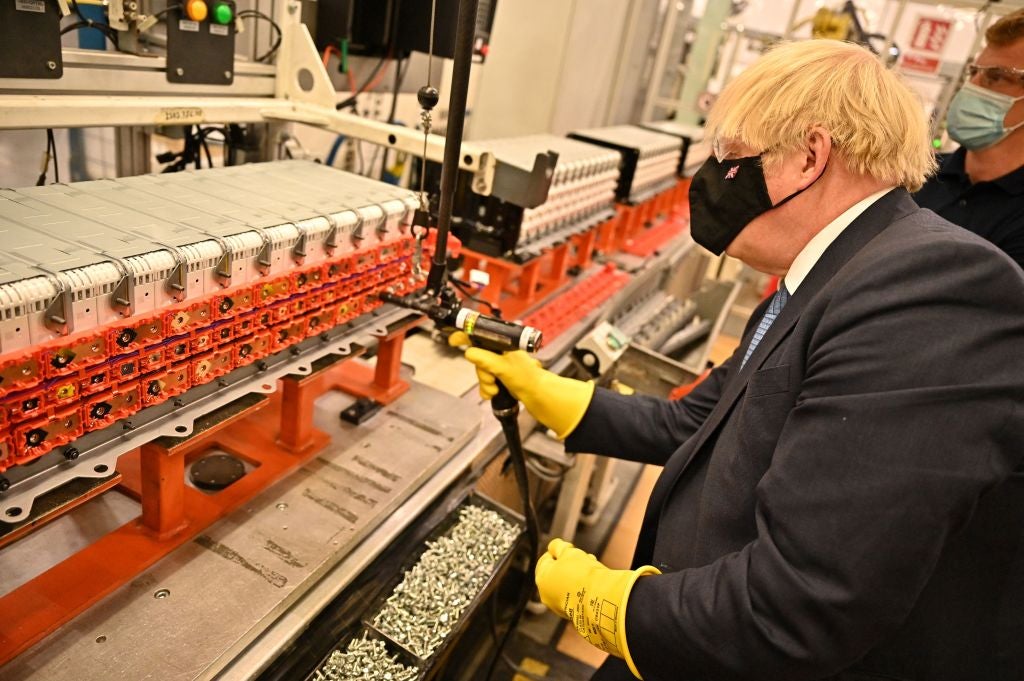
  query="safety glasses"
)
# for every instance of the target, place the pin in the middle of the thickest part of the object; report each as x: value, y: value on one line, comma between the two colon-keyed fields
x: 996, y: 77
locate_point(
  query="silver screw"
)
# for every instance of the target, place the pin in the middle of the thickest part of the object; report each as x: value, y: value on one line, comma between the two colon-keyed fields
x: 180, y: 71
x: 455, y: 566
x: 227, y: 74
x: 162, y: 594
x: 52, y: 65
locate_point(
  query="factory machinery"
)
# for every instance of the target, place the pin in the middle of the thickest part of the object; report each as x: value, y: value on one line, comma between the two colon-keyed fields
x: 614, y: 191
x: 176, y: 350
x: 137, y: 310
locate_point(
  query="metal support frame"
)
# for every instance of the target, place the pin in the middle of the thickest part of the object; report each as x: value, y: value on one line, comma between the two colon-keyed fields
x: 669, y: 23
x: 701, y: 61
x: 111, y: 89
x: 133, y: 151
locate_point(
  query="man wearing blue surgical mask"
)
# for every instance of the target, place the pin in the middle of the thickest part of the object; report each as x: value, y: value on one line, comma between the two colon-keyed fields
x: 980, y: 186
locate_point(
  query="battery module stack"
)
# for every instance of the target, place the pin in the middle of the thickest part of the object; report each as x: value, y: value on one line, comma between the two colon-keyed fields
x: 116, y: 295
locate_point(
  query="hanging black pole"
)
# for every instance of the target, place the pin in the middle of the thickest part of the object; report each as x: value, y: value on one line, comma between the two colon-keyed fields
x: 465, y: 34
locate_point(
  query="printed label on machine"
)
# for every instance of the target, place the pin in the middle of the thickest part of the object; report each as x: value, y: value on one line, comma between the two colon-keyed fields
x: 187, y: 25
x: 217, y: 29
x: 180, y: 115
x: 30, y: 6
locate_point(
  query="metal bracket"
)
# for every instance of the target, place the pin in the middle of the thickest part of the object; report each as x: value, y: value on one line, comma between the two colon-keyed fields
x: 226, y: 263
x: 331, y: 241
x: 178, y: 279
x: 528, y: 189
x: 123, y: 297
x: 60, y: 312
x: 299, y: 250
x: 263, y: 258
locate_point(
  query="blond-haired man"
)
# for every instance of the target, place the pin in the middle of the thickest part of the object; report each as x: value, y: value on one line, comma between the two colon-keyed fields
x: 980, y: 186
x: 838, y: 498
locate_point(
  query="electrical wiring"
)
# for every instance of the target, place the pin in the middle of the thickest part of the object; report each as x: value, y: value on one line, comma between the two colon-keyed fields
x: 78, y: 25
x: 84, y: 22
x: 49, y: 155
x: 52, y: 143
x: 399, y: 78
x: 464, y: 289
x: 335, y: 147
x: 328, y: 51
x: 256, y: 14
x: 368, y: 84
x: 344, y: 66
x: 196, y: 146
x: 550, y: 472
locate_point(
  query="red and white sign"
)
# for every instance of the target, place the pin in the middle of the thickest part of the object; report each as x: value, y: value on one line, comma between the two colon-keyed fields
x: 920, y: 63
x: 926, y: 45
x: 931, y: 34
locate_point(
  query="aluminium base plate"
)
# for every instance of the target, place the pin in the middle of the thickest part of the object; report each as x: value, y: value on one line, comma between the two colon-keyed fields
x: 192, y: 613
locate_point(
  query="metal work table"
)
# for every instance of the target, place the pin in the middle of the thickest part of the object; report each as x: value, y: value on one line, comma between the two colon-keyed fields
x: 223, y: 605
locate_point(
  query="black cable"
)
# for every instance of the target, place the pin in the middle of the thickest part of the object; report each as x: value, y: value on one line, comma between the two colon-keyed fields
x: 351, y: 101
x: 256, y: 14
x: 463, y: 288
x: 110, y: 34
x: 85, y: 22
x: 399, y: 78
x: 52, y: 145
x: 206, y: 150
x: 193, y: 146
x: 509, y: 662
x: 41, y: 180
x: 506, y: 410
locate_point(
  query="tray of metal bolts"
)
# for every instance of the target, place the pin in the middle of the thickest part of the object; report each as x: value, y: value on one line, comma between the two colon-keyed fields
x: 428, y: 604
x: 365, y: 656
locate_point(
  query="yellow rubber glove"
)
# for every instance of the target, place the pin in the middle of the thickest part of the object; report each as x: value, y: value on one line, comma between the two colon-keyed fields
x: 577, y: 587
x: 556, y: 401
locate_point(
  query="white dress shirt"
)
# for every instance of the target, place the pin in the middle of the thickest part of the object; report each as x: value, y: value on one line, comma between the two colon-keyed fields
x: 812, y: 252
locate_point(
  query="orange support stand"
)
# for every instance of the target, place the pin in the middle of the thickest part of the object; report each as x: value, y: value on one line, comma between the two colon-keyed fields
x: 516, y: 287
x: 161, y: 476
x: 273, y: 435
x: 380, y: 383
x: 583, y: 246
x: 608, y: 231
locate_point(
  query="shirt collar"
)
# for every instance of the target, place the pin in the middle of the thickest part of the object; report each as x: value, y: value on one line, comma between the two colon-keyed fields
x: 953, y: 167
x: 812, y: 252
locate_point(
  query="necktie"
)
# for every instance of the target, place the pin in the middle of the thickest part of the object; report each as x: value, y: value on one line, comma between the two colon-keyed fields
x: 775, y: 306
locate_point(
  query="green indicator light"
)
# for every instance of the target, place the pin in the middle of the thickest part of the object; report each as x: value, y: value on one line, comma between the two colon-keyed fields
x: 222, y: 13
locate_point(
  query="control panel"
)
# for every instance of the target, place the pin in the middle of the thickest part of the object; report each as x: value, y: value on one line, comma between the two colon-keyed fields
x: 201, y: 42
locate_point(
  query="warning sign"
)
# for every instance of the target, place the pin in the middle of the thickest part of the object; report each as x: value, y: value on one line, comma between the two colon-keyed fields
x: 930, y: 35
x: 927, y: 43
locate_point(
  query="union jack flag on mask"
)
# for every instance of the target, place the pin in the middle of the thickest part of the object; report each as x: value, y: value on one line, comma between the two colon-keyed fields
x: 732, y: 172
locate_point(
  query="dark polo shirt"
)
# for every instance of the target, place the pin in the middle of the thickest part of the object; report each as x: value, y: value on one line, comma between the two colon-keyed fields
x: 993, y: 210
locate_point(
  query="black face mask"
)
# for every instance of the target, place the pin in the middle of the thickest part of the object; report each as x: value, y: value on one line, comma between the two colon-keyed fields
x: 725, y: 196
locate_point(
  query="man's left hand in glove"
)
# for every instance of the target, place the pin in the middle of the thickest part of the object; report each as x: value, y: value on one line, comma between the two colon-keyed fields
x: 577, y: 587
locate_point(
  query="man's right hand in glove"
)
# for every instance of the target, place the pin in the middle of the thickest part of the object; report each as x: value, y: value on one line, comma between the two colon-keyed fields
x: 557, y: 402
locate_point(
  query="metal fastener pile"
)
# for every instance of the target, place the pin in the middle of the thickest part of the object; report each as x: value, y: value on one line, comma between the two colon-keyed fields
x: 364, y: 660
x: 425, y: 606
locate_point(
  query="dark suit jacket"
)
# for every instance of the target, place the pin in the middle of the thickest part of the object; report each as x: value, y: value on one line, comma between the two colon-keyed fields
x: 844, y: 506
